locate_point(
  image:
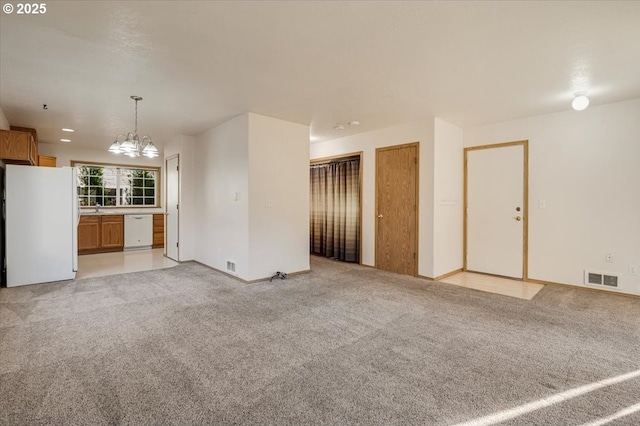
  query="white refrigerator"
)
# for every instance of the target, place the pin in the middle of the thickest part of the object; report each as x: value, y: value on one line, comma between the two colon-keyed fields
x: 41, y: 218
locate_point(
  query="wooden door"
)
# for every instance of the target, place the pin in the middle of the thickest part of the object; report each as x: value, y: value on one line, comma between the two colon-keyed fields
x: 172, y: 208
x: 397, y: 209
x: 496, y: 209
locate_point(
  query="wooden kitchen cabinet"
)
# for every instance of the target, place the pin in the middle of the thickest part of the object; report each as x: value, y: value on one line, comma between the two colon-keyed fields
x: 112, y: 232
x: 46, y: 161
x: 100, y: 233
x: 18, y: 147
x: 158, y: 230
x: 88, y: 234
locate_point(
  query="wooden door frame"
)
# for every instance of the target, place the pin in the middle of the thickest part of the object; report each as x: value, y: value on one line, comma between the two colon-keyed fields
x: 417, y: 199
x: 525, y: 202
x: 166, y: 205
x: 340, y: 157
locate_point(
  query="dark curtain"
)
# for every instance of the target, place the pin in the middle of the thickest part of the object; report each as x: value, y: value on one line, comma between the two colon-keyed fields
x: 335, y: 210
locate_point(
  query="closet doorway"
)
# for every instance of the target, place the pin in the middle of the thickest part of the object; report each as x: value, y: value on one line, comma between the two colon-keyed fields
x: 335, y: 206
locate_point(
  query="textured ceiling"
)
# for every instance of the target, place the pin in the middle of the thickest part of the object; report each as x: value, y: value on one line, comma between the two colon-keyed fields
x: 197, y: 64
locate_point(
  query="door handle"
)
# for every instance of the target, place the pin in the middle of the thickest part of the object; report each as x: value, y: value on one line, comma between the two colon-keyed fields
x: 379, y: 216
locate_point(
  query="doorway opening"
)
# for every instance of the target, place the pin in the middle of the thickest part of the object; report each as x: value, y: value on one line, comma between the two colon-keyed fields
x: 335, y: 218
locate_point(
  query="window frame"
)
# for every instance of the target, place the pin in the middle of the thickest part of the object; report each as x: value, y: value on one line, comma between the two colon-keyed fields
x: 158, y: 181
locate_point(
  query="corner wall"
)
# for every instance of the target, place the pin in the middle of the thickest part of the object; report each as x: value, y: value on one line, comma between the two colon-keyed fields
x: 448, y: 177
x: 221, y: 199
x: 4, y: 123
x: 252, y: 197
x: 278, y: 196
x: 585, y: 165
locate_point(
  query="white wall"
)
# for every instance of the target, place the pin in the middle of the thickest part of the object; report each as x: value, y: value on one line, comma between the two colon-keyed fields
x: 222, y: 219
x: 422, y: 132
x: 185, y: 147
x: 278, y: 196
x: 65, y: 152
x: 448, y: 198
x: 4, y: 123
x: 586, y: 165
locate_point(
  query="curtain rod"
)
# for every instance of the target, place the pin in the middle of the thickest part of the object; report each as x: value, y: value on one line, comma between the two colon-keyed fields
x: 337, y: 160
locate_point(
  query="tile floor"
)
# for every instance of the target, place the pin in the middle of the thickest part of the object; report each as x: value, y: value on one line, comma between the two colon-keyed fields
x: 498, y: 285
x: 99, y: 265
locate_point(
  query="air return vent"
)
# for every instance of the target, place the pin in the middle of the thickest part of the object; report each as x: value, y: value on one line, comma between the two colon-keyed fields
x: 610, y: 280
x: 600, y: 279
x: 231, y: 266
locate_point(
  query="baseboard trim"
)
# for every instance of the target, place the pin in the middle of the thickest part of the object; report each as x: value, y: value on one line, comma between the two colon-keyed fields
x: 448, y: 274
x: 599, y: 290
x: 424, y: 277
x: 289, y: 274
x: 243, y: 281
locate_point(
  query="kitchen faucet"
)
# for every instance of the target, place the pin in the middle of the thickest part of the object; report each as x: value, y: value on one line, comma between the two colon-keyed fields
x: 97, y: 207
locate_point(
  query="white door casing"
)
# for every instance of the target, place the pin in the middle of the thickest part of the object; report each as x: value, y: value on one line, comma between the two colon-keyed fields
x: 496, y: 210
x: 172, y: 169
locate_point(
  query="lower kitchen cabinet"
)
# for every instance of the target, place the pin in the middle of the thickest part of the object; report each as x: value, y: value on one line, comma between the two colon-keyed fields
x: 158, y: 230
x: 100, y: 233
x: 112, y: 230
x: 88, y: 234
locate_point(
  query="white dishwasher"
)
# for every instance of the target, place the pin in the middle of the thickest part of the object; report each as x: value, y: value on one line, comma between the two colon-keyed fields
x: 138, y: 231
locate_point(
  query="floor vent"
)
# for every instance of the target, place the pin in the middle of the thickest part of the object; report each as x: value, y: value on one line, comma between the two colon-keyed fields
x: 600, y: 279
x: 231, y: 266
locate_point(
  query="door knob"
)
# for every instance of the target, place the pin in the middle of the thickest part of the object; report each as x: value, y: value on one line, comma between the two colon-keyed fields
x: 518, y: 218
x: 379, y: 216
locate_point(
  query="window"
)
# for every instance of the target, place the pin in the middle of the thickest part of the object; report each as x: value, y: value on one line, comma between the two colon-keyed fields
x: 117, y: 185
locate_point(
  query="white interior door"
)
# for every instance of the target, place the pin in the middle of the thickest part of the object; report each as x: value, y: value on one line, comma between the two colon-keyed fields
x: 496, y: 210
x: 172, y: 208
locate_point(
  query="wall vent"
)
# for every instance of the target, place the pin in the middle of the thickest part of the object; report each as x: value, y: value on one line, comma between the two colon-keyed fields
x: 610, y: 280
x: 231, y: 266
x: 593, y: 278
x: 600, y: 279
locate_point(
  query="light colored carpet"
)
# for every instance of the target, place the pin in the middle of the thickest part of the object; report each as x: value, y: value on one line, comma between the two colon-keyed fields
x: 341, y: 345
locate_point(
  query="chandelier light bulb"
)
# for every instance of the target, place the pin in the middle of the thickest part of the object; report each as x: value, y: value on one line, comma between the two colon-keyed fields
x: 131, y: 144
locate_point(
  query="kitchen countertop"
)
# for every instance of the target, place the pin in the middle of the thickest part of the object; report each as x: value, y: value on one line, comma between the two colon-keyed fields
x: 92, y: 212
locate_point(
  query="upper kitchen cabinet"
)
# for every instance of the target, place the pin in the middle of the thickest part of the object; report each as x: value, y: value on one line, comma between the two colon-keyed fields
x: 19, y: 146
x: 46, y: 161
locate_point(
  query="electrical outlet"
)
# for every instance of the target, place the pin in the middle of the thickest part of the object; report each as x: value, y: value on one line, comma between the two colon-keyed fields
x: 609, y: 257
x: 633, y: 270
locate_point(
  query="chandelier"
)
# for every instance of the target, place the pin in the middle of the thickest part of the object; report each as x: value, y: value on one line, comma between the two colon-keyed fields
x: 131, y: 145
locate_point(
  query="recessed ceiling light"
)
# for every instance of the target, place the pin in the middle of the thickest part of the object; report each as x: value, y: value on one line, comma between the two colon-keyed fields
x: 65, y: 140
x: 338, y: 127
x: 68, y: 130
x: 580, y: 101
x: 354, y: 123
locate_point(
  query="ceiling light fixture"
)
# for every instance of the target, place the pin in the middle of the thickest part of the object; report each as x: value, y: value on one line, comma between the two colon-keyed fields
x: 580, y: 101
x: 65, y: 140
x: 354, y: 123
x: 68, y: 130
x: 132, y: 145
x: 338, y: 127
